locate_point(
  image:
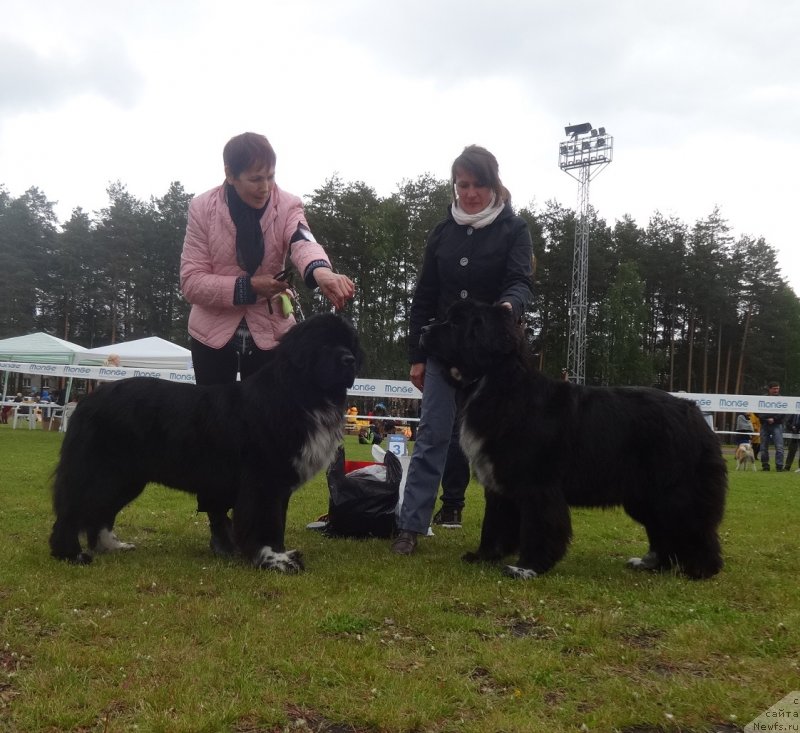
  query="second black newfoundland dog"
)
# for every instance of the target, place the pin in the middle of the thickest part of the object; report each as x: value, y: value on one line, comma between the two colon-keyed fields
x: 248, y: 445
x: 539, y: 445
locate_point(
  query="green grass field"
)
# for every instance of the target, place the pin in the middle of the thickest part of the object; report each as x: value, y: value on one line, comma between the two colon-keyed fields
x: 168, y: 638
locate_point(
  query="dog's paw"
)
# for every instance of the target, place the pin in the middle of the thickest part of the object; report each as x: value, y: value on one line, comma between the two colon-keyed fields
x: 107, y: 541
x: 476, y: 557
x: 512, y: 571
x: 649, y: 562
x: 221, y: 548
x: 283, y: 562
x: 296, y: 558
x: 82, y: 558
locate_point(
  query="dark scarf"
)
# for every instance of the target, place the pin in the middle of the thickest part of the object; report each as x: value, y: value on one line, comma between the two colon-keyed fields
x: 249, y: 237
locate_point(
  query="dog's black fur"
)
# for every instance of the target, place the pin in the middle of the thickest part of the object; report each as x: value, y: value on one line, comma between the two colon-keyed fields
x: 247, y: 445
x: 539, y: 445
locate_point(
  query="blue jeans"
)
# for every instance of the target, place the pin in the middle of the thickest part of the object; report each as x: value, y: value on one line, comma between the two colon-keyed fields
x: 772, y: 434
x: 430, y: 450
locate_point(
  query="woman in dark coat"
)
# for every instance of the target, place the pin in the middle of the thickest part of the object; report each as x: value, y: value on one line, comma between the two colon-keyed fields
x: 481, y: 251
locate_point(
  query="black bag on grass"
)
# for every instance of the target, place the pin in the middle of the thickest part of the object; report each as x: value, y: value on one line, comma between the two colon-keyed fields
x: 362, y: 504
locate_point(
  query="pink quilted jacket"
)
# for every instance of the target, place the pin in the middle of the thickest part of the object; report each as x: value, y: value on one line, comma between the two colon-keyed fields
x: 209, y: 268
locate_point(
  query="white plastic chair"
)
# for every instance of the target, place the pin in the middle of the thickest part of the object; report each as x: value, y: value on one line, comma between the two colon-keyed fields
x: 19, y: 415
x: 56, y: 413
x: 66, y: 414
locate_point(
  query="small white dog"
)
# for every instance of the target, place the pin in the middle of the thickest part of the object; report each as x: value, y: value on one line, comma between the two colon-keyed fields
x: 744, y: 455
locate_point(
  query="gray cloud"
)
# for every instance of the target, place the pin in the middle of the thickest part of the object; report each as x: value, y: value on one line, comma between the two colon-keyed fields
x: 702, y: 63
x: 35, y: 82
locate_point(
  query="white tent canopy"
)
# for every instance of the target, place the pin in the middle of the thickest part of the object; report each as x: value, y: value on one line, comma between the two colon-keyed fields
x: 42, y: 349
x: 39, y: 348
x: 147, y: 353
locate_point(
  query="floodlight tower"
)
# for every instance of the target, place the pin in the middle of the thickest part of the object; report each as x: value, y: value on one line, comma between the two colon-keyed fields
x: 584, y: 153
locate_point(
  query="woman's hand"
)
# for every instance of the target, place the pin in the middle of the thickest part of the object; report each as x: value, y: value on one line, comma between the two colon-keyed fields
x: 338, y: 289
x: 266, y: 286
x: 417, y: 375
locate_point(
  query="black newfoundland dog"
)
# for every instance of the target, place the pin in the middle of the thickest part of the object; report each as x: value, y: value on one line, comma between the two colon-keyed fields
x: 247, y: 445
x: 539, y: 445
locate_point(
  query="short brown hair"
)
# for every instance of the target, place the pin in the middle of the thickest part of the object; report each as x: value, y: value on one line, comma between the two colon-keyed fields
x: 244, y: 151
x: 483, y: 165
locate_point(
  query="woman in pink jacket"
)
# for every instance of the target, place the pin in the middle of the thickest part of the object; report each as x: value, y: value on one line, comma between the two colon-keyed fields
x: 238, y: 238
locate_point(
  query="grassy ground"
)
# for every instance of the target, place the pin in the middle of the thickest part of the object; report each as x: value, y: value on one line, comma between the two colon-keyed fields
x: 168, y: 638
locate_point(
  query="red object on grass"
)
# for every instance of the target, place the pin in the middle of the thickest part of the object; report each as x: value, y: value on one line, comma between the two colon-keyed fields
x: 355, y: 465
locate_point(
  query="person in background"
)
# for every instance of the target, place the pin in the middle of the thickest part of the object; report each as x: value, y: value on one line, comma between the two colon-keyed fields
x: 21, y: 400
x: 351, y: 420
x: 756, y: 438
x: 45, y: 397
x: 379, y: 426
x: 414, y: 411
x: 744, y: 426
x: 792, y: 426
x: 483, y: 251
x: 238, y: 238
x: 772, y: 431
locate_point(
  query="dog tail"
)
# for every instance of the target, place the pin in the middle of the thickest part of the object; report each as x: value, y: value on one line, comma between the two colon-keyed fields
x: 64, y: 537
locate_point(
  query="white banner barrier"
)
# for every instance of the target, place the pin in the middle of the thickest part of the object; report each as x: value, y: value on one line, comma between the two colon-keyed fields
x: 384, y: 389
x: 380, y: 389
x: 104, y: 373
x: 742, y: 403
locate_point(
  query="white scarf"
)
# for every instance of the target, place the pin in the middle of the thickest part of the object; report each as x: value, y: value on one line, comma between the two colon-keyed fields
x: 482, y: 218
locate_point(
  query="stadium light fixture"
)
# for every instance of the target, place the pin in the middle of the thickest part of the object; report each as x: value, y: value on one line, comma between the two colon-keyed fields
x: 576, y: 130
x: 582, y: 160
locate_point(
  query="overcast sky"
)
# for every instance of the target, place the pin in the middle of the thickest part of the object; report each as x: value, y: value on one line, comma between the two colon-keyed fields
x: 702, y: 98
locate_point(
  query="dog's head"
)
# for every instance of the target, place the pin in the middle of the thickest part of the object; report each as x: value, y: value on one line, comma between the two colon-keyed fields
x: 325, y: 352
x: 473, y: 339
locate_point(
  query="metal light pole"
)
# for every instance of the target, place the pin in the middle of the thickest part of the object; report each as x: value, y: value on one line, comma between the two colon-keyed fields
x: 582, y: 155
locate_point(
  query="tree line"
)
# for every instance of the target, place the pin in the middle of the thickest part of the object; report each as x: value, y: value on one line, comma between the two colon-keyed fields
x: 675, y: 305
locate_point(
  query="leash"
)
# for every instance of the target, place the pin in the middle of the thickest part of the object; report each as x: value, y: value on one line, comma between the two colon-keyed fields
x: 290, y: 301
